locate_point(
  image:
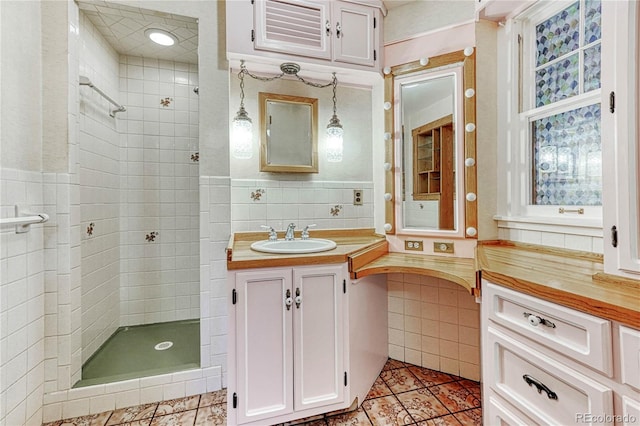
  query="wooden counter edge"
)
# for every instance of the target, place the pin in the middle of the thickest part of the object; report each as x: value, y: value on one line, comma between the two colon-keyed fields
x: 582, y: 303
x: 544, y: 250
x: 367, y: 255
x: 229, y: 248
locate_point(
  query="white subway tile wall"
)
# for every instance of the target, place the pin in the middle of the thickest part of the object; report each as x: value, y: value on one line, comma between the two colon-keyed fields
x: 593, y: 244
x: 159, y: 191
x: 99, y: 167
x: 434, y: 323
x: 328, y: 204
x: 22, y: 301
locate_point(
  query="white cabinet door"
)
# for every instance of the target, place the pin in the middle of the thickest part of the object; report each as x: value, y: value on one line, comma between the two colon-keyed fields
x: 354, y: 35
x: 318, y: 329
x: 264, y: 344
x: 298, y: 27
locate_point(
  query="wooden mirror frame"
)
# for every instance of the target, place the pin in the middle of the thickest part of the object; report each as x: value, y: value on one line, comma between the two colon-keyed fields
x: 263, y: 98
x: 470, y: 170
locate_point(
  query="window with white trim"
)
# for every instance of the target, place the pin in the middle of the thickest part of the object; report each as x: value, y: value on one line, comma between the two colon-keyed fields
x: 559, y: 109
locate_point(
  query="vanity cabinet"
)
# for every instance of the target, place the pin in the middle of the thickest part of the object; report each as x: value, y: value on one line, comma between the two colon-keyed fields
x: 548, y: 364
x: 290, y: 333
x: 327, y: 32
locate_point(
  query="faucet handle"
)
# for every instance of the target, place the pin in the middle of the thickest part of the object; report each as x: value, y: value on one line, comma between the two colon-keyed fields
x: 273, y: 235
x: 305, y: 231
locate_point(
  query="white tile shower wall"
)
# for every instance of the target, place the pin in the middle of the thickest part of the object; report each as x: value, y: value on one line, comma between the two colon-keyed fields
x: 215, y: 229
x: 99, y: 146
x: 159, y: 196
x: 277, y: 203
x: 22, y: 300
x: 434, y: 323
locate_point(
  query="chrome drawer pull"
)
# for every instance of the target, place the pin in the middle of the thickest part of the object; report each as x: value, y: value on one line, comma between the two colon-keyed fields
x: 540, y: 386
x: 534, y: 320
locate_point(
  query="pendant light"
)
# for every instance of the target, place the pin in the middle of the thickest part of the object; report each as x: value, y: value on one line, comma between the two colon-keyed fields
x: 242, y: 127
x: 335, y: 131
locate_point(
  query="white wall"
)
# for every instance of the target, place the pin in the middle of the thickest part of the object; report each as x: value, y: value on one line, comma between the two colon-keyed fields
x: 161, y: 278
x: 22, y: 324
x: 99, y: 144
x: 306, y: 198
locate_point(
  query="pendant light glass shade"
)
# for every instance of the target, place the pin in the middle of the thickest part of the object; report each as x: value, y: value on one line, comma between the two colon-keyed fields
x: 334, y: 140
x: 242, y: 135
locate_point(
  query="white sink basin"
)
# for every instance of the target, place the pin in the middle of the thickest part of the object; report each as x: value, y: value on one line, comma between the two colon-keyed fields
x: 311, y: 245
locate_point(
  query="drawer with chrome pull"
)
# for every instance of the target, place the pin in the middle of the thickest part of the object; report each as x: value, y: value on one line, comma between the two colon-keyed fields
x: 583, y: 337
x: 542, y: 389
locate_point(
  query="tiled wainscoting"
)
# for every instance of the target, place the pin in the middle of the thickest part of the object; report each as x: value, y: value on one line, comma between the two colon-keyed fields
x: 403, y: 394
x: 276, y: 203
x: 434, y: 323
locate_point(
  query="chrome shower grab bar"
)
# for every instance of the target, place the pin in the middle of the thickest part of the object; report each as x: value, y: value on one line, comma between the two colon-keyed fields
x: 22, y: 223
x: 84, y: 81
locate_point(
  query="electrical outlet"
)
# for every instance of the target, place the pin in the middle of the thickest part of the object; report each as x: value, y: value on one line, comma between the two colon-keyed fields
x: 439, y: 247
x: 357, y: 197
x: 413, y: 245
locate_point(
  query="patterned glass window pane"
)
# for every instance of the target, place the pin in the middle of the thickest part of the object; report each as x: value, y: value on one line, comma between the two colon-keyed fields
x: 567, y: 154
x: 592, y: 18
x: 592, y: 66
x: 558, y: 81
x: 558, y: 35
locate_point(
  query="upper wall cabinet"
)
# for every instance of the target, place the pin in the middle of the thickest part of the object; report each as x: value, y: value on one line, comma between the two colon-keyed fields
x: 339, y: 33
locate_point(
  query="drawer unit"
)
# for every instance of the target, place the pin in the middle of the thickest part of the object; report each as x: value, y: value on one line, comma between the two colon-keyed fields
x: 630, y: 411
x: 541, y: 388
x: 580, y: 336
x: 630, y: 356
x: 498, y: 412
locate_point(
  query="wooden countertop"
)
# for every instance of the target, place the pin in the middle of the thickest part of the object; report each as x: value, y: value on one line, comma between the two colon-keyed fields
x: 349, y: 242
x: 569, y: 278
x: 458, y: 270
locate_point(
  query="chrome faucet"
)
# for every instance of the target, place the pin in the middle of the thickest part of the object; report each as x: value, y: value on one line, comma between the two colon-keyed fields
x: 305, y: 232
x: 273, y: 235
x: 289, y: 235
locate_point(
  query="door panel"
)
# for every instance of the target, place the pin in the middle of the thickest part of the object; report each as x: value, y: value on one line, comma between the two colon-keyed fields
x: 355, y: 43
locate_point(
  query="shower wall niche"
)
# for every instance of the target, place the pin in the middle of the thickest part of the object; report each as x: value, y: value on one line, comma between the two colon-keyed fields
x: 139, y: 192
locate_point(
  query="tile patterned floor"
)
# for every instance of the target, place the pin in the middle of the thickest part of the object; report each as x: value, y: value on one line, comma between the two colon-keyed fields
x: 403, y: 394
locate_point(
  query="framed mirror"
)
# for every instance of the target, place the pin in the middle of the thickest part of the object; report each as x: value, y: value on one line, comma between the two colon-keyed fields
x: 288, y: 133
x: 431, y: 184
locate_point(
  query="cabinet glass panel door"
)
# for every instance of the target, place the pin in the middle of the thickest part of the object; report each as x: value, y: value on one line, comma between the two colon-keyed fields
x: 265, y: 365
x: 318, y: 337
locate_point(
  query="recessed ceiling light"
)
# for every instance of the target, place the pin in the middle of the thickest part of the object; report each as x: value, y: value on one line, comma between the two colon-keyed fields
x: 161, y: 37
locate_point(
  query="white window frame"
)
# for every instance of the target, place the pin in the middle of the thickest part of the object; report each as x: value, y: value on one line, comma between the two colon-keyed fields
x: 622, y: 204
x: 516, y: 207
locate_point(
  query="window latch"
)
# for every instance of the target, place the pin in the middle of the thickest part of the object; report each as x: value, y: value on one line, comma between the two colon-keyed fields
x: 614, y: 236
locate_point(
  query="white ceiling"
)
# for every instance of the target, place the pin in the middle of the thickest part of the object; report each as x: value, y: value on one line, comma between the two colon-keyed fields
x: 123, y: 27
x: 391, y: 4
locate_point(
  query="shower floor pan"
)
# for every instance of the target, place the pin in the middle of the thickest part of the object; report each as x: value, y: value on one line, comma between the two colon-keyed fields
x: 144, y: 350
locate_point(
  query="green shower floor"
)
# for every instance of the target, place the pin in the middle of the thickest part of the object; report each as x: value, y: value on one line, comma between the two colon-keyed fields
x: 129, y: 353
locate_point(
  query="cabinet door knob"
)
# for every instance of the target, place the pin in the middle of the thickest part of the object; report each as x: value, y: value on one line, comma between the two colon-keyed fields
x: 298, y: 298
x: 327, y: 26
x: 535, y: 320
x: 338, y: 29
x: 288, y: 301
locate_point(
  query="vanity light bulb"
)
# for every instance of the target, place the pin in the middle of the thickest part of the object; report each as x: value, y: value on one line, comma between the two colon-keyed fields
x: 470, y: 127
x: 469, y: 162
x: 387, y: 227
x: 386, y: 70
x: 424, y: 61
x: 387, y: 106
x: 387, y: 196
x: 471, y: 231
x: 471, y: 196
x: 387, y: 136
x: 468, y: 51
x: 469, y: 93
x: 387, y: 166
